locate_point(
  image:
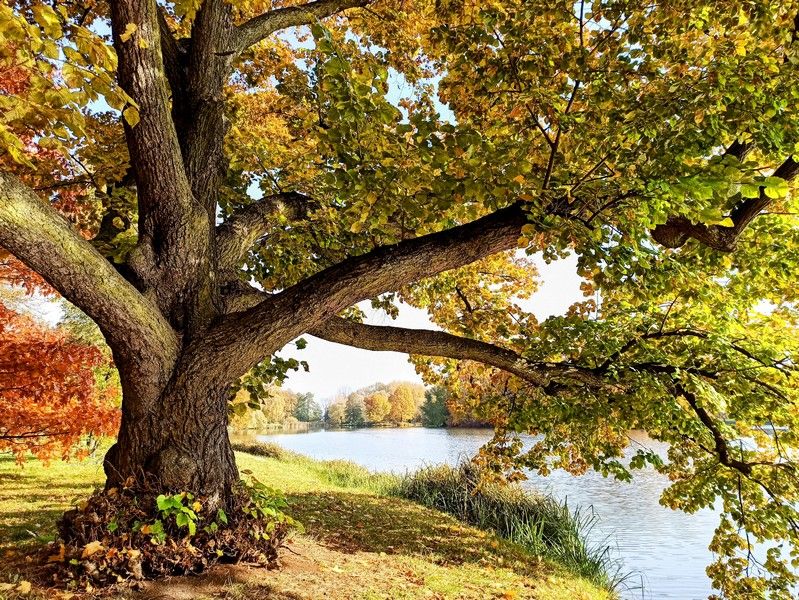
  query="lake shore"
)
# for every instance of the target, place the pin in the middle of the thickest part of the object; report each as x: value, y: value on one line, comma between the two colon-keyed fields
x: 358, y: 542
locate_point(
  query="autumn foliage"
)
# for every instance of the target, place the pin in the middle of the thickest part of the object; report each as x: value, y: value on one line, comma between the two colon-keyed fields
x: 54, y: 389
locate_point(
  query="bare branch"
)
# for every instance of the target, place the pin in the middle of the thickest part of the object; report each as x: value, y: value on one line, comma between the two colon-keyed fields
x: 262, y: 26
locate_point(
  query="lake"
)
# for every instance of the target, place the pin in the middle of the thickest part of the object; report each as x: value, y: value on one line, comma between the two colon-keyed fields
x: 664, y: 550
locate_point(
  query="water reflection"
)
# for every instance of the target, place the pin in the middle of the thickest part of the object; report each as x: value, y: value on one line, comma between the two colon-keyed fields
x: 666, y: 550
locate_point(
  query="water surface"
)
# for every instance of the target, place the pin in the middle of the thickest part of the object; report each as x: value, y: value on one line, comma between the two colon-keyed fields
x: 665, y: 550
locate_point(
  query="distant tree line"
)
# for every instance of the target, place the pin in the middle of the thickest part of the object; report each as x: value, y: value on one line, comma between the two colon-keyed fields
x: 378, y: 405
x: 395, y: 403
x: 273, y: 406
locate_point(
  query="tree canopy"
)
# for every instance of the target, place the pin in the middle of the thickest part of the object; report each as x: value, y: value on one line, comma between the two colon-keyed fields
x: 237, y: 174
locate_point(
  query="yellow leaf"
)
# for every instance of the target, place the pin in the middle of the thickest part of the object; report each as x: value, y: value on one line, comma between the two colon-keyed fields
x: 24, y: 587
x: 519, y: 179
x: 48, y: 19
x: 130, y: 29
x: 743, y: 19
x: 699, y: 116
x: 131, y: 115
x: 91, y: 548
x: 356, y: 227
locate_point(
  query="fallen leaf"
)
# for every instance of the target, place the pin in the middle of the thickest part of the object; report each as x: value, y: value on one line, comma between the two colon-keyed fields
x: 91, y: 548
x: 59, y: 557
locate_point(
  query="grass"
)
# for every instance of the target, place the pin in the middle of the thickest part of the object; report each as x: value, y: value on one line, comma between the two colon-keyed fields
x: 537, y: 522
x: 360, y: 541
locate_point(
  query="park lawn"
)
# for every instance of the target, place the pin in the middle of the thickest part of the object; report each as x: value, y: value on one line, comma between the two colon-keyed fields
x: 359, y: 543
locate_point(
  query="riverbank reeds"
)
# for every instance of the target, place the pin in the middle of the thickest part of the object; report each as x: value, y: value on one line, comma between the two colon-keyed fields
x: 539, y: 523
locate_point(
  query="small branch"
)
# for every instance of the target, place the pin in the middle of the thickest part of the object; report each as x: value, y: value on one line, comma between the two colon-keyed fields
x: 554, y: 148
x: 722, y: 451
x: 675, y: 232
x: 235, y: 237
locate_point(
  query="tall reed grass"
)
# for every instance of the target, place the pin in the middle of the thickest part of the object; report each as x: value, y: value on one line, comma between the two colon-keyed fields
x: 537, y: 522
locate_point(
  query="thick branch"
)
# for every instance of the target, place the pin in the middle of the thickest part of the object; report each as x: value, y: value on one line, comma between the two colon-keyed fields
x: 678, y: 230
x: 236, y: 236
x: 262, y: 26
x: 153, y: 143
x: 427, y: 343
x: 173, y: 57
x: 548, y: 376
x: 34, y: 232
x: 170, y: 249
x: 245, y: 338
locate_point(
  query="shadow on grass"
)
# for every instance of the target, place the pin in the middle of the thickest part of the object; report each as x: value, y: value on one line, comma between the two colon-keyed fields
x: 363, y: 523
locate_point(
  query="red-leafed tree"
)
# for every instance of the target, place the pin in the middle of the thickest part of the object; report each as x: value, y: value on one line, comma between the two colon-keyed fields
x: 55, y: 388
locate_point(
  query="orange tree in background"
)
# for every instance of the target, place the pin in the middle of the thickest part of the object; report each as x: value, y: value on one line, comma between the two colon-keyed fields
x: 55, y: 388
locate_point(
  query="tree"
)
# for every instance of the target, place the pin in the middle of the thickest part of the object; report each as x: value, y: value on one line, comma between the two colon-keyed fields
x: 56, y: 383
x: 336, y: 415
x: 434, y: 410
x: 354, y: 411
x: 377, y: 407
x: 403, y: 405
x: 653, y: 142
x: 307, y: 409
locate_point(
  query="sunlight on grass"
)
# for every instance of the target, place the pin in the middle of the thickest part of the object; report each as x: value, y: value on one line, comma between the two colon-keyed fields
x: 359, y: 542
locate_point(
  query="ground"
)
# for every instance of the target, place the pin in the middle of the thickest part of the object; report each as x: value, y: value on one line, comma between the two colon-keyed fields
x: 358, y: 543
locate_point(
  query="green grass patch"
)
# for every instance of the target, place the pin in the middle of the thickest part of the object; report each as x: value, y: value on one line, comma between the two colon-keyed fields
x: 361, y: 541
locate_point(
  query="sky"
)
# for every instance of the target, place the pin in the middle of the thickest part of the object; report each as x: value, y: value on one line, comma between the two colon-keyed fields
x: 335, y: 367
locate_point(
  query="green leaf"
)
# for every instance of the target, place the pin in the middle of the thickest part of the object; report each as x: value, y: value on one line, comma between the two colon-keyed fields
x: 750, y: 190
x: 776, y: 188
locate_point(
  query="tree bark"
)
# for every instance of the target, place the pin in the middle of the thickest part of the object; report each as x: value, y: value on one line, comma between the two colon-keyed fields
x: 181, y: 442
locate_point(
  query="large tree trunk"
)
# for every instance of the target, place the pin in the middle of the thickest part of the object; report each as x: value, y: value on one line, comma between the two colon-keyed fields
x: 176, y: 440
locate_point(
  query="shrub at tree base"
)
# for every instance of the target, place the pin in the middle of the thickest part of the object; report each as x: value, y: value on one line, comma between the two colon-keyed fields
x: 119, y: 535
